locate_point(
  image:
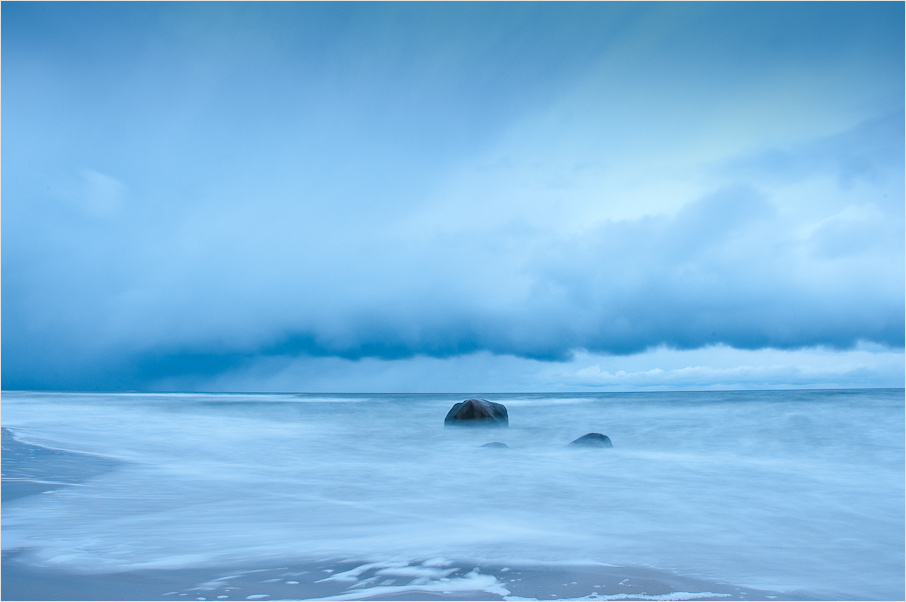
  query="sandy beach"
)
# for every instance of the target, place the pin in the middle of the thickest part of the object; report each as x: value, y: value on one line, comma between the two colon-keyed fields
x: 346, y: 580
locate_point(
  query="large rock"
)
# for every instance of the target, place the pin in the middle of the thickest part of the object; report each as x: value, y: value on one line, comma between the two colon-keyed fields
x: 592, y: 440
x: 477, y: 412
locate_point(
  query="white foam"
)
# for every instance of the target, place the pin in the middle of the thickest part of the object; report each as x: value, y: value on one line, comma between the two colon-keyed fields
x: 353, y: 574
x: 213, y: 583
x: 471, y: 582
x: 416, y: 571
x: 665, y: 597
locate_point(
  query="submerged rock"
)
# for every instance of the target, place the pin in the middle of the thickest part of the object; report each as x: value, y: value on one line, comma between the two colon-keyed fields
x: 495, y: 444
x: 477, y: 412
x: 593, y: 440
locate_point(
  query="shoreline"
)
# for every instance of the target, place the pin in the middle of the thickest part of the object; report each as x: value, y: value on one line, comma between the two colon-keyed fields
x: 361, y: 580
x: 15, y: 489
x: 29, y: 469
x: 27, y: 462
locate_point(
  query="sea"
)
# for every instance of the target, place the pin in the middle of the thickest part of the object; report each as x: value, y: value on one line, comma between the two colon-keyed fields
x: 791, y: 491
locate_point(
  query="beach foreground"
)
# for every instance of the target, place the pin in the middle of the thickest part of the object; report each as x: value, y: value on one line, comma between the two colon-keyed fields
x: 201, y: 497
x: 345, y: 580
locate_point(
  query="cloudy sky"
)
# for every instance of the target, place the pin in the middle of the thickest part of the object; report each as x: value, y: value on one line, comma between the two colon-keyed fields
x: 455, y: 197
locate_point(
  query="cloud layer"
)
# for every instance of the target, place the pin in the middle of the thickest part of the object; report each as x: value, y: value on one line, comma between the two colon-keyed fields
x: 195, y: 190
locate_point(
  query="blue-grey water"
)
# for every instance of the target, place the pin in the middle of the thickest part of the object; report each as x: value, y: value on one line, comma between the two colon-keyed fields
x: 779, y: 490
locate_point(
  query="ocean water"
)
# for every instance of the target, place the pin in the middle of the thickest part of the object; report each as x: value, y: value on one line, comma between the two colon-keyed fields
x: 793, y: 491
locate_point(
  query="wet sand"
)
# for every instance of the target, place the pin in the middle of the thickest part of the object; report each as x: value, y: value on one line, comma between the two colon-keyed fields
x: 27, y: 465
x: 313, y: 581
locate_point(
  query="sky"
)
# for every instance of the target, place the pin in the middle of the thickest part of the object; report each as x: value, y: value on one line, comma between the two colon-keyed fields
x: 452, y: 197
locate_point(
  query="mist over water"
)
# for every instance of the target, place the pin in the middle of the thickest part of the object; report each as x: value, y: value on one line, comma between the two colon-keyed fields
x: 786, y: 490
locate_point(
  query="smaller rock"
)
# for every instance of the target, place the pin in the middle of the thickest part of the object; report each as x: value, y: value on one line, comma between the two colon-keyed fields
x: 495, y: 444
x: 593, y: 440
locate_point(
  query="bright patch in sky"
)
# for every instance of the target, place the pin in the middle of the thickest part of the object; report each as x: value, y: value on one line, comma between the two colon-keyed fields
x: 453, y: 196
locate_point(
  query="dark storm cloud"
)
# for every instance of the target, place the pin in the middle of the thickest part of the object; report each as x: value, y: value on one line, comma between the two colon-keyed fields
x: 720, y: 271
x: 190, y: 188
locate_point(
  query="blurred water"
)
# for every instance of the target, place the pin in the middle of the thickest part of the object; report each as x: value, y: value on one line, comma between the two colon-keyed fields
x: 788, y: 490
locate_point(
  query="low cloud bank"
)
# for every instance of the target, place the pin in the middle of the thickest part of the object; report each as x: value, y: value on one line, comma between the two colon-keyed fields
x: 709, y: 368
x: 725, y: 270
